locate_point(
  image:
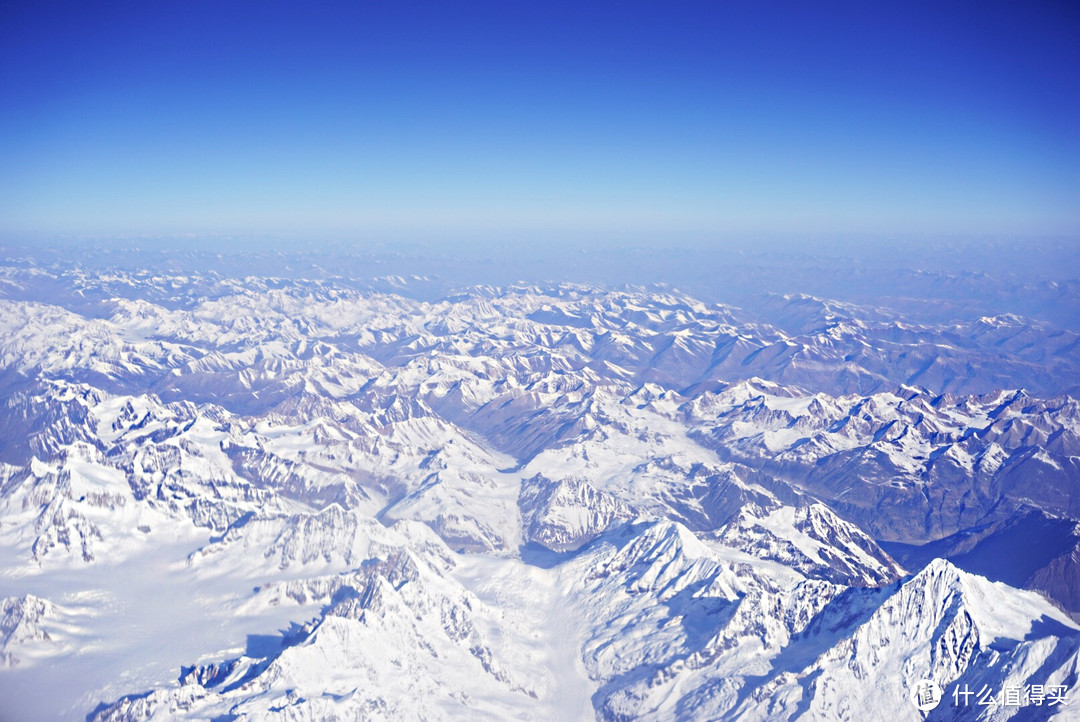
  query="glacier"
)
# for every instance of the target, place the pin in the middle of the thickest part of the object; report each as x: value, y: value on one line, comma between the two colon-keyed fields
x: 249, y: 496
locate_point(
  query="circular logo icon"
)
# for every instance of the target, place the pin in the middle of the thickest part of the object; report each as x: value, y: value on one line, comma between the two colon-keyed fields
x: 926, y: 694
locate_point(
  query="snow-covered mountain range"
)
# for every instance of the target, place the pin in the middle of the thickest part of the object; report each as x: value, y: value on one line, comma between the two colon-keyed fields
x: 227, y: 497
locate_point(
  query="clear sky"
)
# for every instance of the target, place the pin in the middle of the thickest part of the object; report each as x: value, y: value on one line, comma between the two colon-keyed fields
x: 369, y: 119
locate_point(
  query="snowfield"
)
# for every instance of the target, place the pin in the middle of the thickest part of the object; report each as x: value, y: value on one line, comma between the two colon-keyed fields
x: 268, y: 498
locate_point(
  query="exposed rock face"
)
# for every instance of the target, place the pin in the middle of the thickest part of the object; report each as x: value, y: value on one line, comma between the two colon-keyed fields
x: 25, y: 624
x: 565, y: 515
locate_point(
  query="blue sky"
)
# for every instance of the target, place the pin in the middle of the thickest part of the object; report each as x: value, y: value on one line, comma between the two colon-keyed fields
x: 373, y: 120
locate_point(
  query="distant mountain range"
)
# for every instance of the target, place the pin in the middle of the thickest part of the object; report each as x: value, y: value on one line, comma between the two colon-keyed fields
x: 233, y: 497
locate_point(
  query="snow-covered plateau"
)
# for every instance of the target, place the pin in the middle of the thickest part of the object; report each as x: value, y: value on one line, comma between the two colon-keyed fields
x: 229, y: 497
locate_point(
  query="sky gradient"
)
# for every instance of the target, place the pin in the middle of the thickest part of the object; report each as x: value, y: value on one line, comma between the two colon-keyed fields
x: 368, y: 120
